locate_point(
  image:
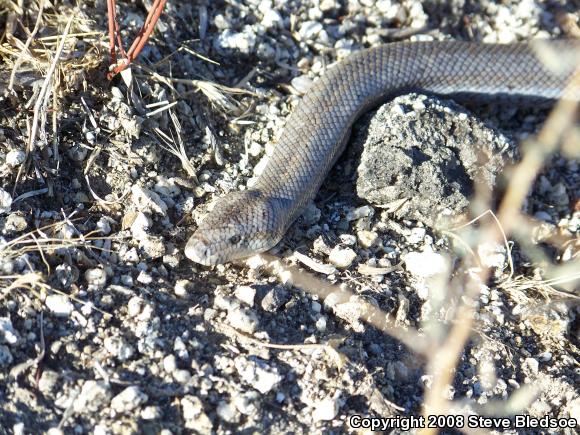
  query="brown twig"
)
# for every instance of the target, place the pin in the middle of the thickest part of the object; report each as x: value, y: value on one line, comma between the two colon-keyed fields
x: 140, y: 39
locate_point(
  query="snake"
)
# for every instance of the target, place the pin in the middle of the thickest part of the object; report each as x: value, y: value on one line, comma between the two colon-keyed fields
x: 250, y: 221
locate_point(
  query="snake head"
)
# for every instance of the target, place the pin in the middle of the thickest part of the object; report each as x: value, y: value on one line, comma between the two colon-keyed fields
x: 242, y: 223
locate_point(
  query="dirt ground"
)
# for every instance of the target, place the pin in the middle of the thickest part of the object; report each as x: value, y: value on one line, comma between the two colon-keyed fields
x: 106, y: 327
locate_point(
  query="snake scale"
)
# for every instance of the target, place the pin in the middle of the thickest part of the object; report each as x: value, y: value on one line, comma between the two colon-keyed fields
x: 247, y: 222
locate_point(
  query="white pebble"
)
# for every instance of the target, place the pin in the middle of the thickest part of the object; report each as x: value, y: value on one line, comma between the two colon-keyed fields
x: 246, y: 294
x: 326, y: 409
x: 5, y: 201
x: 360, y: 212
x: 7, y: 332
x: 96, y: 278
x: 128, y: 399
x: 148, y: 201
x: 341, y: 258
x: 60, y: 305
x: 15, y: 158
x: 258, y: 374
x: 425, y: 264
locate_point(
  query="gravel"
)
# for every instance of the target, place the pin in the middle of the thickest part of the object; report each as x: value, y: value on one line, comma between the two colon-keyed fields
x: 137, y: 339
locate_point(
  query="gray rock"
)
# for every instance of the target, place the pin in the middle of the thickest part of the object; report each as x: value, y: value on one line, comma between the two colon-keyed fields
x: 7, y: 332
x: 430, y: 152
x: 128, y: 399
x: 93, y: 396
x: 275, y: 299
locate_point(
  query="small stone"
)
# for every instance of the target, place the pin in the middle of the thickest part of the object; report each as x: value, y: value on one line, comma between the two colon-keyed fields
x: 5, y: 201
x: 59, y: 305
x: 326, y: 409
x: 367, y: 239
x: 47, y: 382
x: 119, y: 348
x: 228, y: 412
x: 275, y: 299
x: 417, y: 235
x: 272, y: 18
x: 532, y: 365
x: 360, y: 212
x: 128, y: 399
x: 104, y: 225
x: 7, y: 332
x: 139, y: 226
x: 341, y: 258
x: 309, y: 29
x: 492, y: 255
x: 244, y: 41
x: 182, y: 286
x: 169, y: 363
x: 246, y: 294
x: 301, y: 84
x: 148, y: 201
x: 94, y: 395
x: 134, y: 306
x: 425, y: 264
x: 151, y: 413
x: 96, y: 278
x: 15, y: 223
x: 15, y: 158
x: 243, y: 319
x: 194, y: 415
x: 182, y: 376
x: 258, y: 374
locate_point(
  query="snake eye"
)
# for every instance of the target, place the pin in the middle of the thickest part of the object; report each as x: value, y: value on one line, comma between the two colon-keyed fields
x: 234, y: 240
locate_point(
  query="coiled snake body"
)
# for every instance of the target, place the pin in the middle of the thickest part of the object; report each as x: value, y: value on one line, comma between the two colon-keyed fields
x: 247, y: 222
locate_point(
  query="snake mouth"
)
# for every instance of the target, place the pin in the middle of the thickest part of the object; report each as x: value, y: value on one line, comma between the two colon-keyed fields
x: 198, y: 250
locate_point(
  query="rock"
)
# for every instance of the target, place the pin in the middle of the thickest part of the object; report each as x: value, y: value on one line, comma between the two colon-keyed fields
x: 96, y: 278
x: 367, y: 239
x: 326, y: 409
x: 94, y: 395
x: 246, y: 294
x: 182, y: 286
x: 258, y: 374
x: 119, y: 348
x: 15, y: 223
x: 360, y: 212
x: 243, y: 319
x: 341, y: 258
x: 425, y: 264
x: 15, y: 158
x: 47, y: 382
x: 7, y: 332
x: 5, y: 201
x: 194, y: 415
x: 128, y: 399
x: 275, y: 299
x: 244, y: 41
x: 228, y: 412
x: 432, y: 157
x: 60, y: 305
x: 146, y: 200
x: 309, y: 29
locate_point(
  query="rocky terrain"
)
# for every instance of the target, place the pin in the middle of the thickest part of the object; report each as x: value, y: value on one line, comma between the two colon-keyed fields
x: 105, y: 326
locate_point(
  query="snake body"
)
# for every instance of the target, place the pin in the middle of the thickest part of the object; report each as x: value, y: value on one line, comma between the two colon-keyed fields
x: 247, y: 222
